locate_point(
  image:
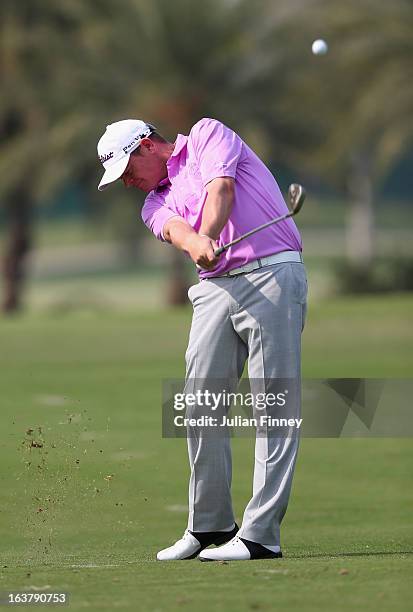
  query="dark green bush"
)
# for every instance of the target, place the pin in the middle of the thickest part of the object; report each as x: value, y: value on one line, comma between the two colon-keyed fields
x: 383, y: 274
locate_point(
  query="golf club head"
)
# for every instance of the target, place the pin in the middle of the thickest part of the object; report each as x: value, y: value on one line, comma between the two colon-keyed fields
x: 296, y: 197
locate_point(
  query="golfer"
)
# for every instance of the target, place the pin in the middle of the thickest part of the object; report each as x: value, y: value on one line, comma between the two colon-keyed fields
x: 203, y: 191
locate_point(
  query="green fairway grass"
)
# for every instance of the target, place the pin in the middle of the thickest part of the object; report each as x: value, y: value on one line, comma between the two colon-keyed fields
x: 90, y: 490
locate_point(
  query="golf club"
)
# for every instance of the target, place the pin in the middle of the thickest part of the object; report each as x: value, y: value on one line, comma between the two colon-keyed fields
x: 296, y: 197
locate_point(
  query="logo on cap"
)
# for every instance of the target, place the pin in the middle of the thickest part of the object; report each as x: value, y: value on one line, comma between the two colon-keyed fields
x: 104, y: 158
x: 138, y: 138
x: 131, y: 144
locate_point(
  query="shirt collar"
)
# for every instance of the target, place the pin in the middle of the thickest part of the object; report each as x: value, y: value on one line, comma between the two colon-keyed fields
x: 180, y: 143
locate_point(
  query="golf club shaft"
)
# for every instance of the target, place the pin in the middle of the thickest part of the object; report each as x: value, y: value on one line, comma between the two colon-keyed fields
x: 223, y: 248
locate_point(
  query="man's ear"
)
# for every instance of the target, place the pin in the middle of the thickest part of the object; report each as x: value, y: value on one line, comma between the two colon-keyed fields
x: 146, y: 146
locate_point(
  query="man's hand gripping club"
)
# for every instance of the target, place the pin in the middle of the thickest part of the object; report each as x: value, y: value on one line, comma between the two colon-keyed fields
x: 199, y: 247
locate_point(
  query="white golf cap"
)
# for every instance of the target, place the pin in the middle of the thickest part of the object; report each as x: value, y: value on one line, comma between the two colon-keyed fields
x: 116, y: 145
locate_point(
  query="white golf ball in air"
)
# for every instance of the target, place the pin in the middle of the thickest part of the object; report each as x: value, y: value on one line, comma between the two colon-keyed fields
x: 319, y: 47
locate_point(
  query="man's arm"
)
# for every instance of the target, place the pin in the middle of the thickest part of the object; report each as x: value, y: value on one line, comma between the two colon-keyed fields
x: 218, y: 206
x: 216, y: 212
x: 200, y: 248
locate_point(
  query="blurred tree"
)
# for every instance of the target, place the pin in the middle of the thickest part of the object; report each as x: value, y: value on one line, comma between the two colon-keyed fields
x: 44, y: 116
x: 352, y: 106
x: 69, y: 68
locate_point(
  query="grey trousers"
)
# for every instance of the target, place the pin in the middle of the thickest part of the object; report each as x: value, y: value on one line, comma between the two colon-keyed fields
x: 257, y: 316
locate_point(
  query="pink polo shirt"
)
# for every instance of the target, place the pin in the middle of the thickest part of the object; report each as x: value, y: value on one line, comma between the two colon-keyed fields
x: 212, y: 150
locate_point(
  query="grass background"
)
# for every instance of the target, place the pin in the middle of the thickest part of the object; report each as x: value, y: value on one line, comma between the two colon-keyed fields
x: 93, y: 491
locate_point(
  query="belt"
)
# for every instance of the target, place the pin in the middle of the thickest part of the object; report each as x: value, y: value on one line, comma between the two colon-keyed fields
x: 261, y: 262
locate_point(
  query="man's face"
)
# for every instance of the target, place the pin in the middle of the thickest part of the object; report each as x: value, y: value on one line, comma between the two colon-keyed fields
x: 146, y: 169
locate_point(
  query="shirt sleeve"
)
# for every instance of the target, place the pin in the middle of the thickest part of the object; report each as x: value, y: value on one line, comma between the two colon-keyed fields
x: 155, y: 214
x: 217, y: 149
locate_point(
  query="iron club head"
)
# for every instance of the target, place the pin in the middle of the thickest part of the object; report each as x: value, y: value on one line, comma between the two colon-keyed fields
x: 296, y: 197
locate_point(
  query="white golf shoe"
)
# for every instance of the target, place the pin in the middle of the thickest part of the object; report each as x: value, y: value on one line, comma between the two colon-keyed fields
x: 186, y: 548
x: 191, y: 544
x: 239, y: 549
